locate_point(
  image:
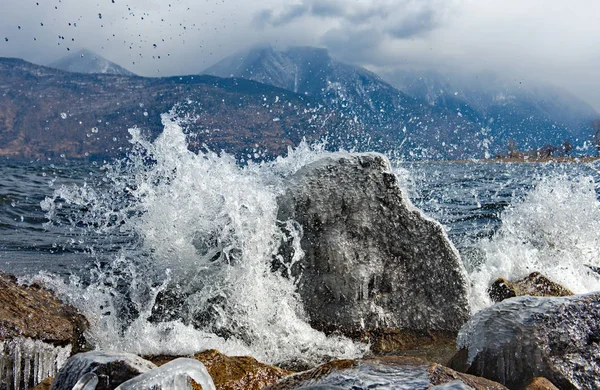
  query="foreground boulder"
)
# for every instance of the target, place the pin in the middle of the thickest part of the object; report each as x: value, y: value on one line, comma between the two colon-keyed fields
x: 233, y: 372
x: 34, y: 312
x: 385, y: 372
x: 535, y: 284
x: 111, y: 368
x: 527, y: 337
x: 37, y: 333
x: 372, y: 261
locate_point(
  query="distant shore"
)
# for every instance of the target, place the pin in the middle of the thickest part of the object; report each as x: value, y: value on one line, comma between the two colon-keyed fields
x: 572, y: 160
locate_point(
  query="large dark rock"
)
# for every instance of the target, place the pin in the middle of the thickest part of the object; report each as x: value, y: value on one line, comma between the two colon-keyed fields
x: 112, y: 369
x: 391, y: 372
x: 527, y: 337
x: 372, y: 261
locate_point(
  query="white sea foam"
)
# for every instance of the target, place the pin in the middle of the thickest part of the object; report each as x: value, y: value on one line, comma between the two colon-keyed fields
x: 554, y: 229
x: 205, y: 228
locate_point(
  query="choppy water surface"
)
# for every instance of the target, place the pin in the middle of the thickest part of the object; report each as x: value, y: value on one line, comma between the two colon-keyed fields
x: 120, y: 234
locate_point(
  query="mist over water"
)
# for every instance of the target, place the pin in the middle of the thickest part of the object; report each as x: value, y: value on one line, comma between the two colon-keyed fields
x: 201, y: 230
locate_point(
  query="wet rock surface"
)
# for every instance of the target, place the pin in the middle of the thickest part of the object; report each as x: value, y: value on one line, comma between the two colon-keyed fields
x: 43, y: 385
x: 527, y: 337
x: 535, y: 284
x: 391, y: 372
x: 233, y: 372
x: 112, y: 369
x: 34, y: 312
x: 372, y: 261
x: 434, y: 347
x: 540, y: 383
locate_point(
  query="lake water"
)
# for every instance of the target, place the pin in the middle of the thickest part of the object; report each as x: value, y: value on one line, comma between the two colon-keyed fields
x: 110, y: 237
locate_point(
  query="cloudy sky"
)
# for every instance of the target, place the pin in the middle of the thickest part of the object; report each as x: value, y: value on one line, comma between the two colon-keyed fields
x: 554, y: 41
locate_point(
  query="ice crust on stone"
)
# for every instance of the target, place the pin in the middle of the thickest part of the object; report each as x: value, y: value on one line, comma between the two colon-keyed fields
x: 526, y: 337
x: 25, y: 362
x: 374, y: 374
x: 87, y: 382
x: 455, y: 385
x: 101, y: 363
x: 478, y: 333
x: 370, y: 260
x: 172, y: 376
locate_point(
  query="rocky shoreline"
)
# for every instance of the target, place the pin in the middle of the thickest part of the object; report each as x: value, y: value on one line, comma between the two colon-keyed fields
x: 374, y: 269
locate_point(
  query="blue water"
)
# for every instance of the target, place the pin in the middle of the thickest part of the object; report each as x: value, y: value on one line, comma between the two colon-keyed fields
x: 468, y: 198
x: 108, y: 237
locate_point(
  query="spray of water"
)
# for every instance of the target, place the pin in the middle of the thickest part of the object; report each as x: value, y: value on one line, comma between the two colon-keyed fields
x: 203, y: 234
x: 554, y: 229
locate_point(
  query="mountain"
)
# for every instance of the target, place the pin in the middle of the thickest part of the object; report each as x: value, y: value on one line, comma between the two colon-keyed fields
x: 85, y: 61
x: 430, y: 114
x: 49, y: 113
x: 531, y: 114
x: 389, y: 119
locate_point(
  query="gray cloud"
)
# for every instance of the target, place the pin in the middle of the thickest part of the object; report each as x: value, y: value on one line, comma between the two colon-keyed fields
x: 401, y: 17
x: 288, y: 15
x: 547, y: 40
x: 327, y: 9
x: 353, y: 45
x: 417, y: 23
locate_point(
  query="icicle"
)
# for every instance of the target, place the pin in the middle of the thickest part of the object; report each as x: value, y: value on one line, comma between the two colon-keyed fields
x: 172, y: 376
x: 87, y: 382
x: 27, y: 370
x: 17, y: 365
x: 25, y: 362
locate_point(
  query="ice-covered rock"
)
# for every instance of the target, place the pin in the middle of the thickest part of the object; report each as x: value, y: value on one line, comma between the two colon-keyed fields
x: 525, y: 337
x: 173, y: 375
x: 25, y: 362
x: 111, y: 368
x: 372, y: 260
x: 392, y: 372
x: 37, y: 333
x: 88, y: 381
